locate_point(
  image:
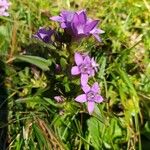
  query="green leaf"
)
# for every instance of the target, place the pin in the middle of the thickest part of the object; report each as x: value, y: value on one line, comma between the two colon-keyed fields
x: 94, y: 131
x: 35, y: 60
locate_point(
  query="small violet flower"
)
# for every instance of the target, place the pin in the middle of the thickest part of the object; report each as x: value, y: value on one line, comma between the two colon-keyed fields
x: 85, y: 66
x: 44, y: 35
x: 59, y: 99
x: 91, y: 96
x: 78, y: 25
x: 4, y: 5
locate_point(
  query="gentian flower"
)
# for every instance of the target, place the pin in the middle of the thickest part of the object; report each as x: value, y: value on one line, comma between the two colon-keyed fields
x: 78, y: 25
x: 64, y: 18
x: 91, y: 96
x: 4, y: 4
x: 84, y: 66
x: 83, y: 26
x: 44, y: 35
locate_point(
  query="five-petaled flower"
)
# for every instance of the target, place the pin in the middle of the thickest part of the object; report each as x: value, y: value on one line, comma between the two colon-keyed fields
x: 91, y: 96
x: 78, y: 25
x: 4, y: 4
x: 85, y: 66
x: 44, y: 35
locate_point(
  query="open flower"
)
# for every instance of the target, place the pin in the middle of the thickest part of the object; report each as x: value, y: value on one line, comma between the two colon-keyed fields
x: 78, y: 25
x: 83, y: 26
x: 91, y: 96
x: 44, y: 35
x: 85, y: 66
x: 4, y: 5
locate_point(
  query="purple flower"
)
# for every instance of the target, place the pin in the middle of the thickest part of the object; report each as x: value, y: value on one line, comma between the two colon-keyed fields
x: 83, y: 26
x: 78, y: 25
x: 44, y: 35
x: 85, y: 66
x: 91, y: 96
x: 64, y: 18
x: 4, y: 4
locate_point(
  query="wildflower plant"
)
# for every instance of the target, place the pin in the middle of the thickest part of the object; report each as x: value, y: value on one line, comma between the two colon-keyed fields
x: 63, y: 85
x: 78, y: 26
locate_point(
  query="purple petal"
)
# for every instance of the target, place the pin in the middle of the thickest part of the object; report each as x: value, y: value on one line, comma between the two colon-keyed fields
x: 87, y: 59
x: 90, y: 26
x: 95, y: 88
x: 81, y: 98
x: 75, y: 70
x: 97, y: 37
x: 98, y: 99
x: 84, y: 79
x: 86, y: 88
x: 82, y: 17
x: 63, y: 25
x: 75, y: 20
x: 67, y: 15
x: 90, y: 106
x: 92, y: 73
x: 97, y: 31
x: 57, y: 18
x: 78, y: 59
x: 74, y: 29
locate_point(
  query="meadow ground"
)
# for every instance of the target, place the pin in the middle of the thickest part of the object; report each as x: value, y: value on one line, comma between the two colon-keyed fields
x: 30, y: 118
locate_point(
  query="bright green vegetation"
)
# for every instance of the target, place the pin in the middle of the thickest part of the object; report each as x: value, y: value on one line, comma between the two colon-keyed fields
x: 35, y: 120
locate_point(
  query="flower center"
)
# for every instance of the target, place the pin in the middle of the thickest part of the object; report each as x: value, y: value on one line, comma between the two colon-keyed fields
x: 80, y: 29
x: 90, y: 96
x: 85, y: 68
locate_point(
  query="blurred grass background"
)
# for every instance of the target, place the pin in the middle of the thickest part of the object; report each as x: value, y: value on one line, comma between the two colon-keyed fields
x: 122, y: 122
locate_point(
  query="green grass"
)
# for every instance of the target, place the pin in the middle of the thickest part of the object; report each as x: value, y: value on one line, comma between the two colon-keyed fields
x: 35, y: 120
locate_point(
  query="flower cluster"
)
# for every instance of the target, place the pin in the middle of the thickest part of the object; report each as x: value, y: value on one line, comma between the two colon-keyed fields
x: 4, y: 5
x: 78, y: 25
x: 86, y: 67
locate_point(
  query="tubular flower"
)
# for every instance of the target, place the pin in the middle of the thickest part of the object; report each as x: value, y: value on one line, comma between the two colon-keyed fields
x: 4, y: 5
x: 83, y: 26
x: 84, y: 66
x: 44, y: 35
x: 91, y: 96
x: 78, y: 25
